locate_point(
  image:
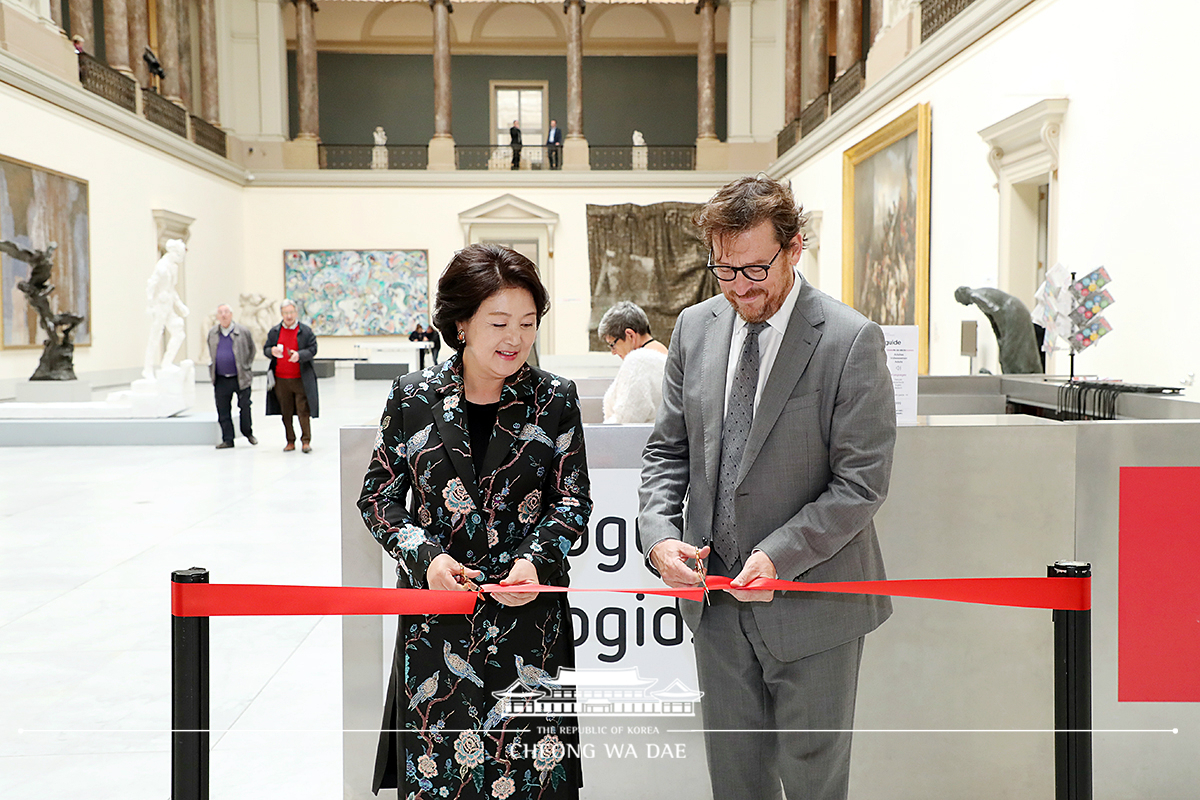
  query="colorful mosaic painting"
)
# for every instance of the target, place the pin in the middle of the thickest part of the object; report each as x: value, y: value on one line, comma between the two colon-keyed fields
x: 359, y: 292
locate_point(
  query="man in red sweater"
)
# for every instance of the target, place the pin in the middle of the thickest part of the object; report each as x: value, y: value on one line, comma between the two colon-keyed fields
x: 292, y: 381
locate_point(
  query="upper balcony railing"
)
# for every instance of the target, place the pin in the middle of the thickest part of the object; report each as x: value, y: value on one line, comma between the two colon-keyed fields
x: 104, y: 81
x: 99, y: 78
x: 365, y: 156
x: 485, y: 157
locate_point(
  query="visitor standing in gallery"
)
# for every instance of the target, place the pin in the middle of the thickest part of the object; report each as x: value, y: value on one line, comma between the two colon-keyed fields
x: 479, y: 475
x: 554, y: 145
x: 778, y: 425
x: 514, y: 141
x: 231, y: 367
x: 291, y: 377
x: 636, y: 393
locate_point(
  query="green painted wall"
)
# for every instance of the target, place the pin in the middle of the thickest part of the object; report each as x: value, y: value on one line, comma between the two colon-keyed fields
x: 360, y: 91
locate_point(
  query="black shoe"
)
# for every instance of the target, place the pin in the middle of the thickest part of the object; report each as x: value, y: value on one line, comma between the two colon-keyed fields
x: 224, y: 445
x: 250, y: 438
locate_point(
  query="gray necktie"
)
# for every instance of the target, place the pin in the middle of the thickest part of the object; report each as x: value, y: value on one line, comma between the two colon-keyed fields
x: 739, y: 414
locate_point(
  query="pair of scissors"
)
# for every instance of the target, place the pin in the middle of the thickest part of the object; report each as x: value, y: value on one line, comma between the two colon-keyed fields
x: 702, y: 571
x: 461, y: 579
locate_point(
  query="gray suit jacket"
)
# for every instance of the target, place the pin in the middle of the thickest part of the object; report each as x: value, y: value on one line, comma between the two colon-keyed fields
x: 243, y: 353
x: 815, y: 470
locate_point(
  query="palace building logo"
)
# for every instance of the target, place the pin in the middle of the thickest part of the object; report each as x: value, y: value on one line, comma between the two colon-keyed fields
x: 594, y: 692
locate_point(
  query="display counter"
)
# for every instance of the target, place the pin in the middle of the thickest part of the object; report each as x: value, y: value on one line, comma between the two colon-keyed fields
x: 954, y: 700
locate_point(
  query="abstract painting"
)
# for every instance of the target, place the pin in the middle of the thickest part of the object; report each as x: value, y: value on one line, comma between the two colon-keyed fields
x: 39, y: 208
x: 359, y: 292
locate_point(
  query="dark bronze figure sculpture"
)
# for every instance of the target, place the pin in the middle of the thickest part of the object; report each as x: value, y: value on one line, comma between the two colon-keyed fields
x: 58, y: 354
x: 1012, y: 325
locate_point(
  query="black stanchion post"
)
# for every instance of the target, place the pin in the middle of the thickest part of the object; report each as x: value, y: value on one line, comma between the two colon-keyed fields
x: 189, y: 699
x: 1072, y: 693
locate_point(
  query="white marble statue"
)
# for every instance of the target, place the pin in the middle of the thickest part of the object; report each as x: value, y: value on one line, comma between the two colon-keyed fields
x: 638, y: 139
x: 258, y: 313
x: 893, y: 11
x: 165, y: 309
x: 379, y: 153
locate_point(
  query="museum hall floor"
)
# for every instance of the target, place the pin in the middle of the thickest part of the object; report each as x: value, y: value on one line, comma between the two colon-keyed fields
x: 88, y: 539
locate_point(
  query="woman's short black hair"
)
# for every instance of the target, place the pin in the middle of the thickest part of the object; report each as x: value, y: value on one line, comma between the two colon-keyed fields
x: 476, y: 273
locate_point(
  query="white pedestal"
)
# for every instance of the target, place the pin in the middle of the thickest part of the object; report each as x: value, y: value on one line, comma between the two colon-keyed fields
x: 641, y: 157
x: 76, y: 391
x: 173, y: 390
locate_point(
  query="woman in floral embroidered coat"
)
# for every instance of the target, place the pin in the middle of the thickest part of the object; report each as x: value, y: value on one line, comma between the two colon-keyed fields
x: 479, y: 476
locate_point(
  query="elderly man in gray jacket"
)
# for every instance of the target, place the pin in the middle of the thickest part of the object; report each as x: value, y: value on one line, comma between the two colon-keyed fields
x: 231, y: 348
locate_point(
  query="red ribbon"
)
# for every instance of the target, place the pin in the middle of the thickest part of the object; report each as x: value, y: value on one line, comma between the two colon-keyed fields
x: 249, y: 600
x: 239, y: 599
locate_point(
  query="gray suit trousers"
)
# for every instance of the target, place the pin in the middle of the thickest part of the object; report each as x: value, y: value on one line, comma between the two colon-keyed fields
x: 750, y: 693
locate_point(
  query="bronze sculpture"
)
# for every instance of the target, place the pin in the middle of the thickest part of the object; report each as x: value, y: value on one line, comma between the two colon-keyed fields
x: 1012, y: 325
x: 58, y: 353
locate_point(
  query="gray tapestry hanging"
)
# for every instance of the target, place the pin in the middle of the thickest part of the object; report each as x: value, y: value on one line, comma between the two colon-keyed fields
x: 652, y: 255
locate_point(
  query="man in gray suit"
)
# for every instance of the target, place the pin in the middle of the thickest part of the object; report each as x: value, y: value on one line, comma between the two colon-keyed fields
x: 777, y: 425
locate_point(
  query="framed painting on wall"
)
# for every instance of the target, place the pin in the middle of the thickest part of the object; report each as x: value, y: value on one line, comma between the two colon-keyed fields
x: 885, y: 225
x: 359, y: 292
x: 38, y: 208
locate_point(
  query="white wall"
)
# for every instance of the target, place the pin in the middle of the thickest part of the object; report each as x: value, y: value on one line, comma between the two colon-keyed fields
x: 1127, y: 175
x: 279, y: 219
x: 126, y: 180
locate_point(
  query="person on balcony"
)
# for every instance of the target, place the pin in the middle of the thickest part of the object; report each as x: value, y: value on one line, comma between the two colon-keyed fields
x: 554, y: 145
x: 514, y: 141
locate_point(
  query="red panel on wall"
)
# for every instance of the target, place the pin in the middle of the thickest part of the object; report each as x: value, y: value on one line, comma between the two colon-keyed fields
x: 1158, y: 632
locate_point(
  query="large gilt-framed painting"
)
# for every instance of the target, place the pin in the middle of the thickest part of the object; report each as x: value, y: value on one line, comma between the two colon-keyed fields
x: 359, y: 292
x: 885, y: 219
x: 39, y: 207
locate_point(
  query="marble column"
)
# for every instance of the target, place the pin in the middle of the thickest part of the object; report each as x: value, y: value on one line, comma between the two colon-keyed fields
x: 574, y: 11
x: 876, y: 19
x: 83, y: 23
x: 791, y: 62
x: 185, y: 52
x: 209, y: 98
x: 168, y: 47
x: 139, y: 39
x: 849, y: 34
x: 306, y: 71
x: 706, y: 72
x: 116, y: 35
x: 442, y: 117
x: 815, y: 75
x: 575, y: 147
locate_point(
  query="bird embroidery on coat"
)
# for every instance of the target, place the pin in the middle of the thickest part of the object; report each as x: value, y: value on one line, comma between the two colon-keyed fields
x: 534, y: 433
x: 425, y: 691
x: 494, y: 716
x: 460, y: 667
x: 532, y: 677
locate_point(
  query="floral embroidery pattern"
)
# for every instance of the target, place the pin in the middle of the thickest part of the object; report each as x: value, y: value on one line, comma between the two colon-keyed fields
x: 547, y: 753
x: 468, y: 750
x: 457, y: 499
x: 530, y: 507
x: 503, y: 787
x: 427, y: 766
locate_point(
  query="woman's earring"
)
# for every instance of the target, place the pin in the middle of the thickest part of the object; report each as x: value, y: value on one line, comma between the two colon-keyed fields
x: 461, y: 338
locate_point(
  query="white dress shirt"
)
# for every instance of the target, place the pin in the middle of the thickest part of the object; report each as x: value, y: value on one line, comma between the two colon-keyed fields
x: 769, y: 340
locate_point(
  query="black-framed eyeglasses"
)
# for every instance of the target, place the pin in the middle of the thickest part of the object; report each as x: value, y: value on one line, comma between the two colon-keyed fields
x: 753, y: 272
x: 613, y: 344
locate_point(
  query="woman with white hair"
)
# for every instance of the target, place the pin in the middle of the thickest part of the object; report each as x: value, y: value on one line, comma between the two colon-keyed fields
x: 636, y: 393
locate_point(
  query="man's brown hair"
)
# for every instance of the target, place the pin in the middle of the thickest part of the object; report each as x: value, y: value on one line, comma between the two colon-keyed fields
x: 742, y: 204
